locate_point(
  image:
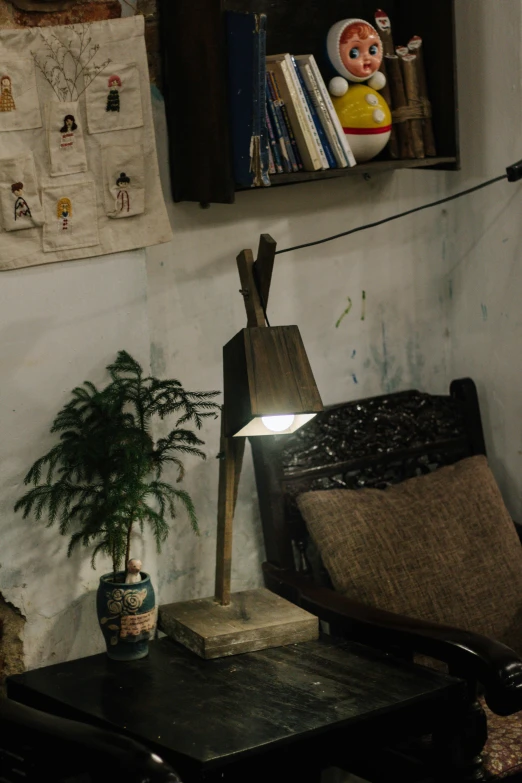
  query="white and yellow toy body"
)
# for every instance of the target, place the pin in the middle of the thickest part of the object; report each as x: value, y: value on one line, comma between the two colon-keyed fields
x: 366, y: 120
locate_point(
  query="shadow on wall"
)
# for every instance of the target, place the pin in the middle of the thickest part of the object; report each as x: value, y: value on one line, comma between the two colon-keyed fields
x: 73, y: 632
x: 474, y: 40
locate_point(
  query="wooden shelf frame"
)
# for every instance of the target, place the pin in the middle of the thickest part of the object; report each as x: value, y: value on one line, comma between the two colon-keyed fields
x: 195, y: 78
x: 372, y: 167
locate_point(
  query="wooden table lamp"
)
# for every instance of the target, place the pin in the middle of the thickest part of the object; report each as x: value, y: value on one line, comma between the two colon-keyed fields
x: 269, y: 389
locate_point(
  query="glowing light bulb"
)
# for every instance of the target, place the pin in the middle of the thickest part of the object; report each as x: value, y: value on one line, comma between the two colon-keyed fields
x: 278, y: 423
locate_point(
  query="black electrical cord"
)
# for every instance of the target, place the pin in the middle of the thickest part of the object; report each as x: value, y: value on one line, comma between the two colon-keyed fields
x: 513, y: 174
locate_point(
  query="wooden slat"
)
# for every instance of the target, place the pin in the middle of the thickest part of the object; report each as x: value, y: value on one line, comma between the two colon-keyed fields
x: 280, y: 376
x: 232, y: 450
x: 264, y: 265
x: 254, y: 310
x: 456, y: 445
x: 448, y: 163
x: 194, y: 52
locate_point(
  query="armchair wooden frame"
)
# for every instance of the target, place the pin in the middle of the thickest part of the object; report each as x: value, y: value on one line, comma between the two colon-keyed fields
x: 373, y: 443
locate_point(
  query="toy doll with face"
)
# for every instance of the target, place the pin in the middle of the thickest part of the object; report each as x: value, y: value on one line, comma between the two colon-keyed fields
x: 64, y: 215
x: 123, y: 184
x: 21, y: 208
x: 67, y: 131
x: 355, y: 52
x: 113, y: 98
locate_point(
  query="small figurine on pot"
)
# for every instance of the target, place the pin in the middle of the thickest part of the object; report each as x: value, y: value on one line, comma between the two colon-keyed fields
x: 355, y: 52
x: 133, y: 575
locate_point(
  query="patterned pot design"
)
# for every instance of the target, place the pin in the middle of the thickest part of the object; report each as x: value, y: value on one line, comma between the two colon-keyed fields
x: 127, y: 616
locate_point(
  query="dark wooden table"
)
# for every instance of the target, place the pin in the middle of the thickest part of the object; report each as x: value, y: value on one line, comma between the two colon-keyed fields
x: 248, y: 716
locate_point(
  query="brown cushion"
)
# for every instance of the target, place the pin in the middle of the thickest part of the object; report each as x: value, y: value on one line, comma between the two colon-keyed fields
x: 440, y: 547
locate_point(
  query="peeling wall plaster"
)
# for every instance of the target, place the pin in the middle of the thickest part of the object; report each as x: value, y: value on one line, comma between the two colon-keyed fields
x: 12, y: 624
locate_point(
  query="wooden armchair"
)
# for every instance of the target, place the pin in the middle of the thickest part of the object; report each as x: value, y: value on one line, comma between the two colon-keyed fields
x: 376, y: 444
x: 36, y: 746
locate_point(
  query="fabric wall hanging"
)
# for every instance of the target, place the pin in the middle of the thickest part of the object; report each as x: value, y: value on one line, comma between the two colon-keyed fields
x: 78, y: 164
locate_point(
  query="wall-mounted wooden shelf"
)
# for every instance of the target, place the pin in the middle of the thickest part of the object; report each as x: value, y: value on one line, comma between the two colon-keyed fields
x: 373, y: 167
x: 194, y: 63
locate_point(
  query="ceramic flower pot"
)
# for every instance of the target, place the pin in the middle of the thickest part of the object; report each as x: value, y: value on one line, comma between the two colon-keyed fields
x: 127, y: 616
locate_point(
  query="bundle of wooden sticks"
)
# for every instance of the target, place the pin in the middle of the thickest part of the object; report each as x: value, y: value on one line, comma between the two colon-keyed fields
x: 406, y: 93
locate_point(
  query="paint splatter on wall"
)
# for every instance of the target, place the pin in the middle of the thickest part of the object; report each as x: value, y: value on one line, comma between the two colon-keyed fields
x: 349, y: 308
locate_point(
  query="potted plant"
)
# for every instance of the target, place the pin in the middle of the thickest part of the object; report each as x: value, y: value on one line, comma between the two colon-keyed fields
x: 103, y: 480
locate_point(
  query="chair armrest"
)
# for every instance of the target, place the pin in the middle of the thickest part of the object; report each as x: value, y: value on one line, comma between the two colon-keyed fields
x: 469, y: 655
x: 74, y: 750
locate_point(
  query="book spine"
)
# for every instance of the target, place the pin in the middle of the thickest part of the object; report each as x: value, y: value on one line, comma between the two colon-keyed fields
x: 301, y: 97
x: 307, y: 146
x: 278, y: 108
x: 271, y: 162
x: 259, y: 122
x: 274, y: 147
x: 327, y: 156
x: 288, y: 124
x: 276, y: 118
x: 331, y: 110
x: 324, y: 117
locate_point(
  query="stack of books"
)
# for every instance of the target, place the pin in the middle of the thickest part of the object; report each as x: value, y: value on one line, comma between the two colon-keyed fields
x: 282, y: 117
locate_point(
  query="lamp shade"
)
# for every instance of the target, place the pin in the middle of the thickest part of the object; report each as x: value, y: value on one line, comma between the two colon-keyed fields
x: 267, y: 375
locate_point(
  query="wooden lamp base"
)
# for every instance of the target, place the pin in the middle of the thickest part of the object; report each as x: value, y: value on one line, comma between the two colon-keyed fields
x: 253, y: 620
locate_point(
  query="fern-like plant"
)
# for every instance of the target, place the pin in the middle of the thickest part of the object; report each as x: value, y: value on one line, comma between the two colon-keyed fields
x: 104, y: 476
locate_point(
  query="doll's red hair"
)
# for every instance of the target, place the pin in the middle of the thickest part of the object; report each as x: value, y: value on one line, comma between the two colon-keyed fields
x: 361, y: 29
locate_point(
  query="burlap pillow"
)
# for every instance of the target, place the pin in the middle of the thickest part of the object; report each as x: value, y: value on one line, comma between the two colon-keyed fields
x: 440, y: 547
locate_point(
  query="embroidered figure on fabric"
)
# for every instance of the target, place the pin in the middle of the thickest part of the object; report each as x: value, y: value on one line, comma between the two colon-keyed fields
x: 63, y: 63
x: 64, y: 214
x: 6, y: 94
x: 123, y: 198
x: 69, y: 126
x: 21, y: 207
x: 113, y: 98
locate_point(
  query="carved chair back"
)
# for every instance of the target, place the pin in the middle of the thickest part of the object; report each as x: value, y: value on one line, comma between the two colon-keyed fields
x: 369, y: 443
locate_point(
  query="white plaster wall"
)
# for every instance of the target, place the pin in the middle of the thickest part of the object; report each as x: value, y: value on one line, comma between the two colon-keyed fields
x: 442, y: 287
x: 425, y: 277
x: 59, y: 324
x: 485, y: 231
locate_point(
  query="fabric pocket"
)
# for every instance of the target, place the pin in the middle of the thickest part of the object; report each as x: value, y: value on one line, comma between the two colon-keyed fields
x: 114, y: 99
x: 65, y: 138
x: 70, y: 216
x: 124, y: 180
x: 19, y: 104
x: 21, y: 206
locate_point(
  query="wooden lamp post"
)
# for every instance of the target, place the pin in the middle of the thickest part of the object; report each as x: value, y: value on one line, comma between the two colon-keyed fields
x: 269, y: 389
